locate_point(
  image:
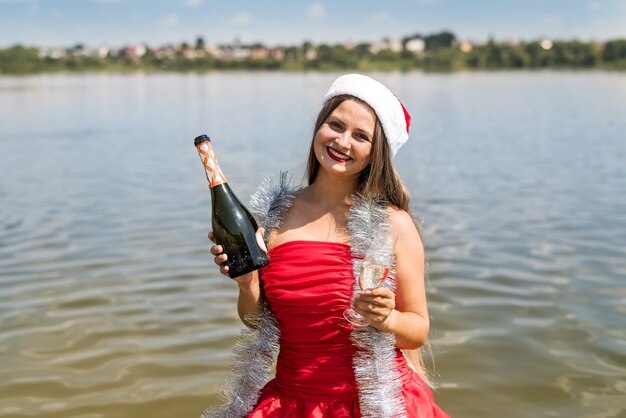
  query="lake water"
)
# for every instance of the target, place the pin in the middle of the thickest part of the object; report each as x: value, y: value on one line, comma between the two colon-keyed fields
x: 110, y: 305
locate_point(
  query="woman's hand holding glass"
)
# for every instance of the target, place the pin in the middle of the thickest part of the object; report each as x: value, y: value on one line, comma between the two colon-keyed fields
x: 373, y: 305
x: 376, y: 306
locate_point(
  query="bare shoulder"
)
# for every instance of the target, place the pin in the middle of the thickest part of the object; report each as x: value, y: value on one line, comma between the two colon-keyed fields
x: 404, y: 229
x: 400, y: 219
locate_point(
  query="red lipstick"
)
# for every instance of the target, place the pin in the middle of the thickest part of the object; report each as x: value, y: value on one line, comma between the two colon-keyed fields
x: 335, y: 157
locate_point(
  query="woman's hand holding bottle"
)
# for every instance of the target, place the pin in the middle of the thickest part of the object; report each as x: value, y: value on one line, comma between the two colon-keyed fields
x: 220, y: 259
x: 234, y: 227
x: 248, y: 302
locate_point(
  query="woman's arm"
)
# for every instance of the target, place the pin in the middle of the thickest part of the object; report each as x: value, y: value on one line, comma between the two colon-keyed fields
x: 249, y: 302
x: 406, y: 313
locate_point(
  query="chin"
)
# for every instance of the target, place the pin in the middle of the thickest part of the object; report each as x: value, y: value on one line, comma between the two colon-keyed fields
x: 339, y: 170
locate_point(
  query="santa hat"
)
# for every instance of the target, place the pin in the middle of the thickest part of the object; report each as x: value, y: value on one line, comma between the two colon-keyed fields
x: 391, y: 113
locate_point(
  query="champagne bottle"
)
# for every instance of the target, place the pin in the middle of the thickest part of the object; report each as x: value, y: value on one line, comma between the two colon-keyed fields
x: 233, y: 226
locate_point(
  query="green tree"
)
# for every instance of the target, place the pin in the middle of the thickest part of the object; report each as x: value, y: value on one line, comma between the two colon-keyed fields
x: 362, y: 51
x: 537, y: 55
x: 200, y: 43
x: 443, y: 59
x: 306, y: 47
x: 439, y: 40
x: 574, y: 54
x: 19, y: 59
x: 614, y: 50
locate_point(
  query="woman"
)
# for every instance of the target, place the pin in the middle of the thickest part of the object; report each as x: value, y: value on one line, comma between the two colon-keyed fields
x: 354, y: 205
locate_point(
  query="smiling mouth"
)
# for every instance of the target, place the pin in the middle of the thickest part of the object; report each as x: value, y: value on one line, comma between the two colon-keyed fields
x: 336, y: 155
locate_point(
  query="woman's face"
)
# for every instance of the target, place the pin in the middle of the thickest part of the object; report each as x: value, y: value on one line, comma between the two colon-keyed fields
x: 343, y: 143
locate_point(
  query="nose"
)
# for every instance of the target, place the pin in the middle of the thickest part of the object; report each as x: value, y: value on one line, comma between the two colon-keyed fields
x: 343, y: 139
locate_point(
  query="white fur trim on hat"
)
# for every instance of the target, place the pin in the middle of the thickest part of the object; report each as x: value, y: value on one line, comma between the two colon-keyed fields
x: 391, y: 113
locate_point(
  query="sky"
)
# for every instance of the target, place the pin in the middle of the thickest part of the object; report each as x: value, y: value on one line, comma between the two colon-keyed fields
x: 50, y: 23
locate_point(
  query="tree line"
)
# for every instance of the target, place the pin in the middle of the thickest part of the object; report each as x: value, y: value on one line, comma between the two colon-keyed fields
x: 436, y: 52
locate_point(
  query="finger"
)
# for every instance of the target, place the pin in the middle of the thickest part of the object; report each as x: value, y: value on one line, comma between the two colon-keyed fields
x: 260, y: 239
x: 375, y: 319
x: 371, y: 298
x: 217, y: 249
x: 374, y: 313
x: 211, y: 236
x: 367, y: 307
x: 377, y: 300
x: 220, y: 259
x: 224, y: 270
x: 380, y: 291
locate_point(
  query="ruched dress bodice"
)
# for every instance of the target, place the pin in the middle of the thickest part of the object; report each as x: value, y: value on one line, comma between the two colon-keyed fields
x: 308, y: 285
x: 308, y: 299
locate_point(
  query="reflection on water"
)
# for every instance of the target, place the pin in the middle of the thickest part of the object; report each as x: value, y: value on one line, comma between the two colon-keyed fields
x: 110, y: 305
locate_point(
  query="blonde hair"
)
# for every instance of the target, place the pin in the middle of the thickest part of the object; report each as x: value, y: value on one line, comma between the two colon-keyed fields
x: 379, y: 181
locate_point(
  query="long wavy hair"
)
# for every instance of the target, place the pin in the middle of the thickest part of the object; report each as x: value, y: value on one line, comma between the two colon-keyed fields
x: 379, y: 181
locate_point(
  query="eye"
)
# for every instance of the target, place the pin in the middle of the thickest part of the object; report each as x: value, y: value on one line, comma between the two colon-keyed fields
x: 335, y: 125
x: 362, y: 137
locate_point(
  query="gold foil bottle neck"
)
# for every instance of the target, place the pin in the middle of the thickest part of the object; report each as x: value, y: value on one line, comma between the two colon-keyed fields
x: 213, y: 172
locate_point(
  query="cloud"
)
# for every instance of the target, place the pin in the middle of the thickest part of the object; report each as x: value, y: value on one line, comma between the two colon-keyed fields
x: 193, y: 3
x: 316, y: 11
x: 242, y: 18
x: 169, y: 21
x: 105, y: 1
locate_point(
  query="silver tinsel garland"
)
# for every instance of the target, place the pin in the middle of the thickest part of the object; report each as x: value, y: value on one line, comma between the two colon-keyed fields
x: 253, y: 356
x: 379, y: 383
x: 375, y: 368
x: 254, y: 352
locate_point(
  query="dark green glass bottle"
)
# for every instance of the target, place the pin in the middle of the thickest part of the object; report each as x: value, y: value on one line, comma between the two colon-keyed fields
x: 233, y: 226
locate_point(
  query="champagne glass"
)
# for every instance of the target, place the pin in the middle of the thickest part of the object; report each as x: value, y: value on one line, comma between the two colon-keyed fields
x: 372, y: 274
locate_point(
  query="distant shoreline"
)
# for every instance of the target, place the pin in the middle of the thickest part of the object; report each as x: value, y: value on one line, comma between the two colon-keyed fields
x: 278, y: 71
x: 437, y: 53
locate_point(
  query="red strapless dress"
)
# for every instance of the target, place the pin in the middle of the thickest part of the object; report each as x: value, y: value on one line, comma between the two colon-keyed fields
x: 308, y: 285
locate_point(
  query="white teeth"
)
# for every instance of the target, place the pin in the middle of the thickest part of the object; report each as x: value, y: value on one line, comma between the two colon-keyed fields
x: 340, y: 156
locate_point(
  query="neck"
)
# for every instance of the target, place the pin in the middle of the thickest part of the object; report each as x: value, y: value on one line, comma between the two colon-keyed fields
x: 333, y: 190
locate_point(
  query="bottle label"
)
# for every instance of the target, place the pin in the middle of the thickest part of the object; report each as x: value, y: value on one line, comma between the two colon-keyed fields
x: 213, y: 172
